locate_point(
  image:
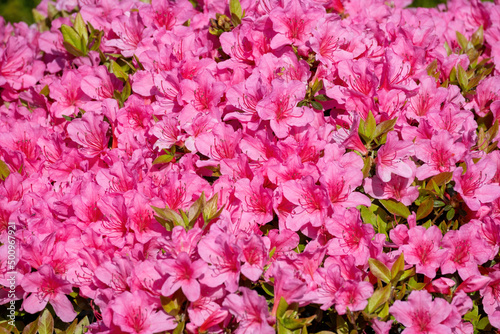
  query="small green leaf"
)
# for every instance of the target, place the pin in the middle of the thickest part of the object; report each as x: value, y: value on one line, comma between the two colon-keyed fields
x: 368, y: 216
x: 235, y: 8
x: 118, y: 71
x: 163, y: 159
x: 81, y: 28
x: 439, y: 180
x: 483, y: 323
x: 321, y: 97
x: 316, y: 105
x: 462, y: 40
x: 46, y: 323
x: 4, y: 170
x: 370, y: 125
x: 210, y: 210
x: 82, y: 325
x: 173, y: 304
x: 450, y: 214
x: 72, y: 41
x: 269, y: 289
x: 408, y: 273
x: 379, y: 270
x: 396, y: 208
x: 282, y: 307
x: 31, y: 328
x: 385, y: 127
x: 477, y: 38
x: 379, y: 297
x: 398, y: 267
x: 425, y: 208
x: 45, y: 91
x: 463, y: 80
x: 180, y: 327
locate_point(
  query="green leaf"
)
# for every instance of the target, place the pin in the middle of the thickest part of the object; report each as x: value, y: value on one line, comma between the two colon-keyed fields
x: 379, y: 270
x: 235, y: 8
x: 398, y: 267
x: 71, y: 328
x: 396, y: 208
x: 195, y: 209
x: 163, y: 159
x: 118, y: 71
x: 425, y: 208
x: 477, y: 38
x: 370, y: 125
x: 31, y: 328
x: 379, y: 297
x: 483, y: 323
x: 210, y: 210
x: 269, y: 289
x: 45, y: 91
x: 462, y: 40
x: 342, y: 325
x: 316, y: 105
x: 127, y: 90
x: 173, y: 304
x: 408, y: 273
x: 81, y: 327
x: 463, y: 80
x: 385, y: 127
x: 81, y: 28
x: 282, y: 307
x: 180, y: 327
x: 450, y: 214
x: 368, y: 216
x: 321, y: 97
x: 7, y: 328
x: 294, y: 324
x: 439, y: 180
x: 72, y: 41
x: 4, y: 170
x: 45, y: 323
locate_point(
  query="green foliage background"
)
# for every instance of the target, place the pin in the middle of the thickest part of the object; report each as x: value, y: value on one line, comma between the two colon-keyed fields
x: 18, y: 10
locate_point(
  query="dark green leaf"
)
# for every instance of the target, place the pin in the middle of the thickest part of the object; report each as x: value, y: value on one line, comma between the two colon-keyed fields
x: 396, y: 208
x: 316, y: 105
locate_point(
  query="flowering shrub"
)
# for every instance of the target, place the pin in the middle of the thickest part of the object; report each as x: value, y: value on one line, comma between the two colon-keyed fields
x: 250, y: 167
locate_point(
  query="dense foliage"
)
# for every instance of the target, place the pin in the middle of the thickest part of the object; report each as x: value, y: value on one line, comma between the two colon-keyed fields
x: 250, y: 167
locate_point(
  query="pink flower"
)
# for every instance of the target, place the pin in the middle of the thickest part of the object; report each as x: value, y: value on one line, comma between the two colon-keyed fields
x: 391, y: 158
x: 353, y: 295
x: 91, y: 133
x: 466, y: 252
x: 474, y: 185
x: 424, y: 249
x: 351, y: 235
x: 421, y: 315
x: 311, y: 202
x: 134, y: 313
x: 183, y: 274
x: 250, y: 310
x: 280, y: 107
x: 491, y: 299
x: 293, y: 23
x: 46, y: 287
x: 256, y: 200
x: 131, y: 31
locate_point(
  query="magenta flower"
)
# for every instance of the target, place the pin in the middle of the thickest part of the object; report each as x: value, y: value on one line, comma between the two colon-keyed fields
x: 134, y: 313
x: 440, y: 154
x: 91, y: 133
x: 251, y: 311
x: 353, y: 295
x: 474, y: 185
x: 393, y: 158
x: 46, y: 287
x: 421, y: 315
x: 183, y: 274
x: 293, y: 23
x: 424, y: 249
x: 280, y: 107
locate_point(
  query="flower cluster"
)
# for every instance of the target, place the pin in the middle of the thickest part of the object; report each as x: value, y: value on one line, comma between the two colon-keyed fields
x: 243, y: 166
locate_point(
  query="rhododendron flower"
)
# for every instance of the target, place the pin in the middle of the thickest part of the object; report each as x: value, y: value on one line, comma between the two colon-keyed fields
x: 280, y: 107
x: 353, y: 295
x: 46, y: 287
x: 424, y: 250
x: 251, y: 311
x: 391, y: 158
x: 440, y: 154
x: 90, y: 132
x: 183, y: 274
x: 134, y: 313
x: 474, y: 185
x: 421, y: 314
